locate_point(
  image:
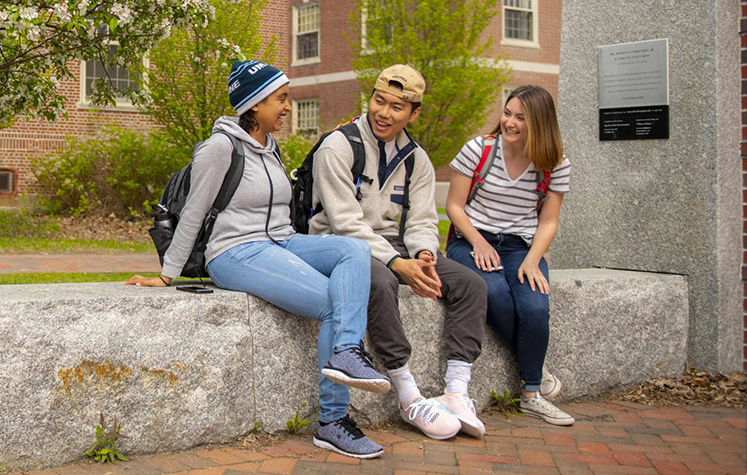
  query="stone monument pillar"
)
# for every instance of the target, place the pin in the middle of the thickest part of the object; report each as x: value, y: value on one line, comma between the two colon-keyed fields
x: 661, y: 205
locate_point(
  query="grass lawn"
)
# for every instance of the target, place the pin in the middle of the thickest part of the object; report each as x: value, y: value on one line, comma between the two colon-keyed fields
x: 55, y: 278
x: 54, y: 245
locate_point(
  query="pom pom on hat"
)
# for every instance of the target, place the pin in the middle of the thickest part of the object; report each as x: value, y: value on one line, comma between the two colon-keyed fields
x: 250, y: 82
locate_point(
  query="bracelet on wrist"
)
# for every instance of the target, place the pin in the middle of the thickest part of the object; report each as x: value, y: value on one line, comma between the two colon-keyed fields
x: 164, y: 281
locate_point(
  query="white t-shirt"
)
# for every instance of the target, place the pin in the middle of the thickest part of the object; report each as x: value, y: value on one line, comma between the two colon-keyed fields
x: 503, y: 205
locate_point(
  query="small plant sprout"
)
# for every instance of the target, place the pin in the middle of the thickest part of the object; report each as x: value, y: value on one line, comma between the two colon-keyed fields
x: 507, y: 404
x: 105, y: 449
x: 296, y: 424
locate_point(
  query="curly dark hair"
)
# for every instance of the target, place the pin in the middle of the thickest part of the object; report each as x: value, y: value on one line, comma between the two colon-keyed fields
x: 248, y: 122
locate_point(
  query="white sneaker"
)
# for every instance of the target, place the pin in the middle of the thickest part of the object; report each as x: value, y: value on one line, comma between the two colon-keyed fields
x: 463, y: 408
x: 428, y: 415
x: 550, y: 386
x: 538, y: 407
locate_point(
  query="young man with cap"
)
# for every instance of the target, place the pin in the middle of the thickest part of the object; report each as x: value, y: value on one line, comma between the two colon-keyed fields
x: 373, y: 215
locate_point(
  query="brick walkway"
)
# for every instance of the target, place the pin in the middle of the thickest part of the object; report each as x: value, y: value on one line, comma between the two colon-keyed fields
x: 608, y: 437
x: 79, y: 263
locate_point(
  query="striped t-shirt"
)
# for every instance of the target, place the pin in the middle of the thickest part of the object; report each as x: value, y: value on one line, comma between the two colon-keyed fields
x: 503, y: 205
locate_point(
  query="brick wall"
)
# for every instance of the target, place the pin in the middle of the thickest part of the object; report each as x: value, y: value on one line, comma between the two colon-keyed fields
x: 339, y: 99
x: 25, y: 141
x: 743, y: 146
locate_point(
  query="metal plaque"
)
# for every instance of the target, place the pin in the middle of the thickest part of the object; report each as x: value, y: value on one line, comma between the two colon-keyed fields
x: 634, y: 90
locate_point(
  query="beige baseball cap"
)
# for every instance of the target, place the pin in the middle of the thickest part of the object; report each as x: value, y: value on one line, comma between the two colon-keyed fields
x: 413, y: 84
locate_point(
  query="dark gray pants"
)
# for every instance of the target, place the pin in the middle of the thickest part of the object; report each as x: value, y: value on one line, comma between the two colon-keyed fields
x: 464, y: 295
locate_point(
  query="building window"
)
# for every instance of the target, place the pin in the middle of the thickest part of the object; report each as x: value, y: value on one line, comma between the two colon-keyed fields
x: 119, y: 77
x: 520, y: 22
x: 373, y: 25
x: 305, y: 34
x: 7, y: 181
x: 506, y: 91
x: 306, y: 116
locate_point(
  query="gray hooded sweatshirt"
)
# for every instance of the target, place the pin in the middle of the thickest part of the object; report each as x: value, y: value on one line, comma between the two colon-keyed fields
x: 245, y: 218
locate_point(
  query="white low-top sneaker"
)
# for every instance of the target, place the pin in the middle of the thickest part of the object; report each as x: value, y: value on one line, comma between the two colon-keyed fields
x: 431, y: 417
x: 463, y: 408
x: 550, y: 386
x: 541, y: 408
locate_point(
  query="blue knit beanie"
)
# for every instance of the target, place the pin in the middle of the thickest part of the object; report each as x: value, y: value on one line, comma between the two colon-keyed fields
x: 250, y: 82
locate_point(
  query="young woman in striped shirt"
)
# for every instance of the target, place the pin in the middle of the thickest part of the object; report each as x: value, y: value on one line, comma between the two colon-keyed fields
x: 501, y: 235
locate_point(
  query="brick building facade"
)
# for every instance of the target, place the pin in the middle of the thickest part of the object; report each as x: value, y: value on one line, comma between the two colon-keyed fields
x: 323, y: 86
x: 322, y: 79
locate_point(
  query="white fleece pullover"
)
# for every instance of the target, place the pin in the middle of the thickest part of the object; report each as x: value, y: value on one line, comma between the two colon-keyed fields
x: 244, y: 218
x: 378, y: 212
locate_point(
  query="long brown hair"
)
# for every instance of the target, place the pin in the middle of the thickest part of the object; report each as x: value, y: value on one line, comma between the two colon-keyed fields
x: 543, y: 145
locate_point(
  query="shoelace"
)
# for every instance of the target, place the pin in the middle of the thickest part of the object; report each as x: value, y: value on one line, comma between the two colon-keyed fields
x: 351, y: 427
x: 470, y: 403
x: 548, y: 406
x: 363, y: 355
x: 425, y: 409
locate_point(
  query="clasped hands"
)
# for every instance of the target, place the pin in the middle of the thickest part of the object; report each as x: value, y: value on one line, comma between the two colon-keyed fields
x: 420, y: 274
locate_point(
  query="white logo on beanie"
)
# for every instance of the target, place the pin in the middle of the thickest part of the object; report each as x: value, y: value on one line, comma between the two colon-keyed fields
x: 256, y: 68
x: 233, y: 86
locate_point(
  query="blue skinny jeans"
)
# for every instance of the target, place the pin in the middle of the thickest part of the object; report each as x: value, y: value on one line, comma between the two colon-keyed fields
x: 324, y: 277
x: 521, y: 317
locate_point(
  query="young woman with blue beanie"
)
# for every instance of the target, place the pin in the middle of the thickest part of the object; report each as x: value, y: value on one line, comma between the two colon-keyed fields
x: 253, y: 248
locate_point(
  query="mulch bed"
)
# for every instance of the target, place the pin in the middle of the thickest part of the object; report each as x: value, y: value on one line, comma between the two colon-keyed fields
x: 102, y: 228
x: 692, y: 387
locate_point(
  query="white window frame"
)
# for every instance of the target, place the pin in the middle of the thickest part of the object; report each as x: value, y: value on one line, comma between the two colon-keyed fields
x: 13, y: 176
x: 506, y: 91
x: 317, y: 58
x: 534, y: 43
x: 364, y: 32
x: 295, y: 126
x: 122, y: 103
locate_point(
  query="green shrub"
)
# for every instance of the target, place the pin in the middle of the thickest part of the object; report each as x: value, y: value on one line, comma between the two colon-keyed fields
x: 24, y: 224
x: 116, y: 171
x: 294, y: 149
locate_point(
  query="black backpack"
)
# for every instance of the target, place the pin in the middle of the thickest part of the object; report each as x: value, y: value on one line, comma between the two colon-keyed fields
x: 303, y: 209
x: 174, y: 197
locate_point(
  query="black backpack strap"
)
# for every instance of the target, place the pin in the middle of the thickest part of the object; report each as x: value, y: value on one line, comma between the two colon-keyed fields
x: 227, y: 189
x: 409, y: 166
x: 233, y: 175
x: 353, y: 134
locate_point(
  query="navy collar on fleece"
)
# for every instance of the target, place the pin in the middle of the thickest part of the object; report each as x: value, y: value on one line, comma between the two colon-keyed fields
x: 387, y: 169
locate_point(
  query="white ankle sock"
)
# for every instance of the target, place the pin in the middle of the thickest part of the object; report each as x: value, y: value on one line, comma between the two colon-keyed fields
x: 402, y: 379
x: 458, y: 376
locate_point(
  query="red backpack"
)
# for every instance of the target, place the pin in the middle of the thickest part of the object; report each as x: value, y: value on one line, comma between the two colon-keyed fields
x: 483, y: 168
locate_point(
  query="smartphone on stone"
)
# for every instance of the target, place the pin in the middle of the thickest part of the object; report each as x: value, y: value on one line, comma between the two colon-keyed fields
x: 194, y: 289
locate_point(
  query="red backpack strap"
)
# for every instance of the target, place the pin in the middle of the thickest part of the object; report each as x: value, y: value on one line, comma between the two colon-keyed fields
x: 482, y: 169
x: 478, y: 176
x: 543, y: 185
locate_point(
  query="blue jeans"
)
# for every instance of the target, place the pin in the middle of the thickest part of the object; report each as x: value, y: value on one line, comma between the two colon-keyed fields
x: 521, y: 317
x: 326, y: 278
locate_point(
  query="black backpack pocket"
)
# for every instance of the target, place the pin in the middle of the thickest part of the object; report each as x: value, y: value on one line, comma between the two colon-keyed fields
x: 161, y: 237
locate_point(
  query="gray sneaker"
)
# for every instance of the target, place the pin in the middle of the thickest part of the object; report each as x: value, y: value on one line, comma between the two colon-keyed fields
x: 352, y: 367
x: 344, y: 437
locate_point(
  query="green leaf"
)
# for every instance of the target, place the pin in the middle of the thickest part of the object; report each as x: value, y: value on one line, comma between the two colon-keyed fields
x: 99, y: 431
x: 121, y: 457
x: 104, y: 451
x: 113, y: 24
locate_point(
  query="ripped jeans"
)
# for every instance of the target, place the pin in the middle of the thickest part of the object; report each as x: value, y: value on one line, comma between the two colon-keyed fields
x: 324, y: 277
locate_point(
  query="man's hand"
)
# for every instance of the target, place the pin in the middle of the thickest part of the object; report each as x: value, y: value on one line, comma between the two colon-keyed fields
x: 420, y: 274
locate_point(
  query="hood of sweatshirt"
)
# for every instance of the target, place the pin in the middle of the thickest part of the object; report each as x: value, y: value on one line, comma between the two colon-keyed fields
x: 230, y: 125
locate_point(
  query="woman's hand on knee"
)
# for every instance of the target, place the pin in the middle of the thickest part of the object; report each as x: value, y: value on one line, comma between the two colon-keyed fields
x: 534, y: 277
